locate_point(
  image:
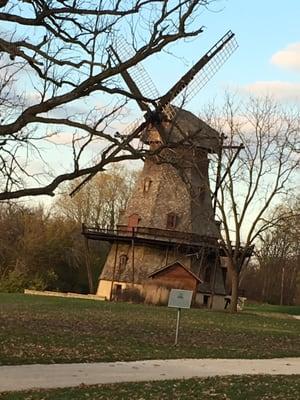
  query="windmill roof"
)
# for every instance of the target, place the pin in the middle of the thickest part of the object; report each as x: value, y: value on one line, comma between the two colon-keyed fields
x: 187, y: 129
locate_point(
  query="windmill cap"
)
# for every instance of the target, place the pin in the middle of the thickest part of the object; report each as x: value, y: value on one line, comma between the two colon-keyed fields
x: 186, y: 129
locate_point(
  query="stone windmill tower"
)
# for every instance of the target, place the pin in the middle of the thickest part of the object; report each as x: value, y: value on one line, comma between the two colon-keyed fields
x: 169, y: 217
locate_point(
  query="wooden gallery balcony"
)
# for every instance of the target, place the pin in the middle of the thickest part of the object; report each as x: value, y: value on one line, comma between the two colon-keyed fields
x: 150, y: 236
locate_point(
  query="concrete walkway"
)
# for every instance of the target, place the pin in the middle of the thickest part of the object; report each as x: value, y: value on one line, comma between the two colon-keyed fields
x: 38, y: 376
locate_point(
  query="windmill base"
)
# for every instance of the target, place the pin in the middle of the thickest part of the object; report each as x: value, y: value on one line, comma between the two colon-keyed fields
x: 150, y: 293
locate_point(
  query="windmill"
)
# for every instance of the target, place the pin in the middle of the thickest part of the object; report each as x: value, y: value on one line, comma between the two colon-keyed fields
x: 183, y: 91
x: 169, y: 217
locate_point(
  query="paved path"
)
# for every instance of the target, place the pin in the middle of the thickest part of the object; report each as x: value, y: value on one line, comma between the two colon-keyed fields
x: 34, y: 376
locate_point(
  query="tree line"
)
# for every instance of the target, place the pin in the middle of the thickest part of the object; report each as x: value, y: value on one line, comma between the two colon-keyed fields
x: 43, y: 249
x: 58, y: 51
x: 274, y: 276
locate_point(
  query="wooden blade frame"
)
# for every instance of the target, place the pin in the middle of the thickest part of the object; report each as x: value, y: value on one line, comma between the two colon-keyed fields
x: 202, y: 71
x: 129, y: 81
x: 132, y: 131
x: 136, y: 77
x: 144, y: 82
x: 190, y: 84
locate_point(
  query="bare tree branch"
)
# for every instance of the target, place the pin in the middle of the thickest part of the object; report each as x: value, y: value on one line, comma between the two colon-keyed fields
x: 54, y: 60
x: 263, y: 172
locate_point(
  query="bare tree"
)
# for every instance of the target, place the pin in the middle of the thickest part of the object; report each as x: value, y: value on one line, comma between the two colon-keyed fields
x: 97, y: 204
x: 100, y: 201
x: 279, y: 255
x: 262, y: 172
x: 54, y: 72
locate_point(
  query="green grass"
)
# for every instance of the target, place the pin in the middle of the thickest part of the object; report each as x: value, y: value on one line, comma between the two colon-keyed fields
x: 270, y: 308
x: 225, y: 388
x: 39, y: 329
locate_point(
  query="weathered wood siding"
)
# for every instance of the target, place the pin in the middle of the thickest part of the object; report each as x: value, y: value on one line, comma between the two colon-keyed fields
x: 177, y: 277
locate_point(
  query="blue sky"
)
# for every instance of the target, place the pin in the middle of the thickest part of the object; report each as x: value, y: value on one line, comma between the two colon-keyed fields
x: 262, y: 29
x: 266, y: 61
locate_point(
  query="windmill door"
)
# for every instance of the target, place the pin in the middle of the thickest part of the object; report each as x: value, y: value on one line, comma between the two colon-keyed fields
x: 133, y: 221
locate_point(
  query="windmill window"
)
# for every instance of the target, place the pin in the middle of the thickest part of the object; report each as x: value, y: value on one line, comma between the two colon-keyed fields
x: 123, y: 260
x: 154, y: 144
x: 171, y: 221
x: 147, y: 184
x: 133, y: 220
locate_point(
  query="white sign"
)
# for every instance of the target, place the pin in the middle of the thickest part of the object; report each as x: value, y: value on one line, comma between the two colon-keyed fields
x: 180, y: 298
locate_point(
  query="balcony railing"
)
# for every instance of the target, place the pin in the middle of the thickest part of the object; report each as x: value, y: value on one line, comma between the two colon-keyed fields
x: 162, y: 236
x: 150, y: 233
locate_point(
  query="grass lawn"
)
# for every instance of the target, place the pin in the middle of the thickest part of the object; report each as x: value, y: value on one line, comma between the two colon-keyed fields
x: 229, y: 388
x: 270, y: 308
x: 39, y: 329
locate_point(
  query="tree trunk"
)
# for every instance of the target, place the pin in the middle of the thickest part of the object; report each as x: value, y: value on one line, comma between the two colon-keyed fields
x: 234, y: 289
x: 265, y: 278
x: 282, y: 285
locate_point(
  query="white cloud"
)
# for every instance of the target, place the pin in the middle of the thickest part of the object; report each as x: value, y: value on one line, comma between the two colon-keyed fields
x: 288, y: 58
x: 278, y: 89
x: 64, y: 138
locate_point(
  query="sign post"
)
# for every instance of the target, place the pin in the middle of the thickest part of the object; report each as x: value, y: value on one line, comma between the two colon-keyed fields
x: 177, y: 326
x: 179, y: 299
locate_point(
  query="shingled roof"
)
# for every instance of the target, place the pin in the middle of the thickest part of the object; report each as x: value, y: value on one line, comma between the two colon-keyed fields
x: 158, y: 271
x: 187, y: 129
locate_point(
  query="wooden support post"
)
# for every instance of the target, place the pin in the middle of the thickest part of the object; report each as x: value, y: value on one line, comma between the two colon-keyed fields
x: 167, y: 256
x: 88, y: 266
x: 132, y: 258
x: 114, y: 272
x: 201, y: 261
x: 177, y: 326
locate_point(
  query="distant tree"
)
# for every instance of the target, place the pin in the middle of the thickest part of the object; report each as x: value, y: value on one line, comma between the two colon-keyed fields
x: 40, y: 251
x: 263, y: 171
x: 54, y: 64
x: 279, y: 256
x: 99, y: 202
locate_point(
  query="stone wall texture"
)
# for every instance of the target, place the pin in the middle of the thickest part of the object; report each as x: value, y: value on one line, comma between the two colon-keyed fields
x: 175, y: 181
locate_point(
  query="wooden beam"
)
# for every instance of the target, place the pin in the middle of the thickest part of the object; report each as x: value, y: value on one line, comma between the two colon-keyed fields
x: 88, y: 266
x: 114, y: 272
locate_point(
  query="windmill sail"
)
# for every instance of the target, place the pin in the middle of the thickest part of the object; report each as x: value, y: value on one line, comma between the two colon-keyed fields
x: 137, y: 73
x: 133, y: 87
x: 141, y: 85
x: 198, y: 76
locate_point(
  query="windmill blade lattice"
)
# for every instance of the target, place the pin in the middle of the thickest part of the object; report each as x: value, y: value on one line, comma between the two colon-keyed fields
x: 199, y: 75
x: 140, y: 83
x: 137, y: 72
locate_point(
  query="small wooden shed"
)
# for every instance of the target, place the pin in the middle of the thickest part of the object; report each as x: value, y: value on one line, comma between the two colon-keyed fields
x: 175, y: 275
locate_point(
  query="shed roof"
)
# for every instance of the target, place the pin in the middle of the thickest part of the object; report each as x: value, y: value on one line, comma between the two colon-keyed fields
x: 172, y: 265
